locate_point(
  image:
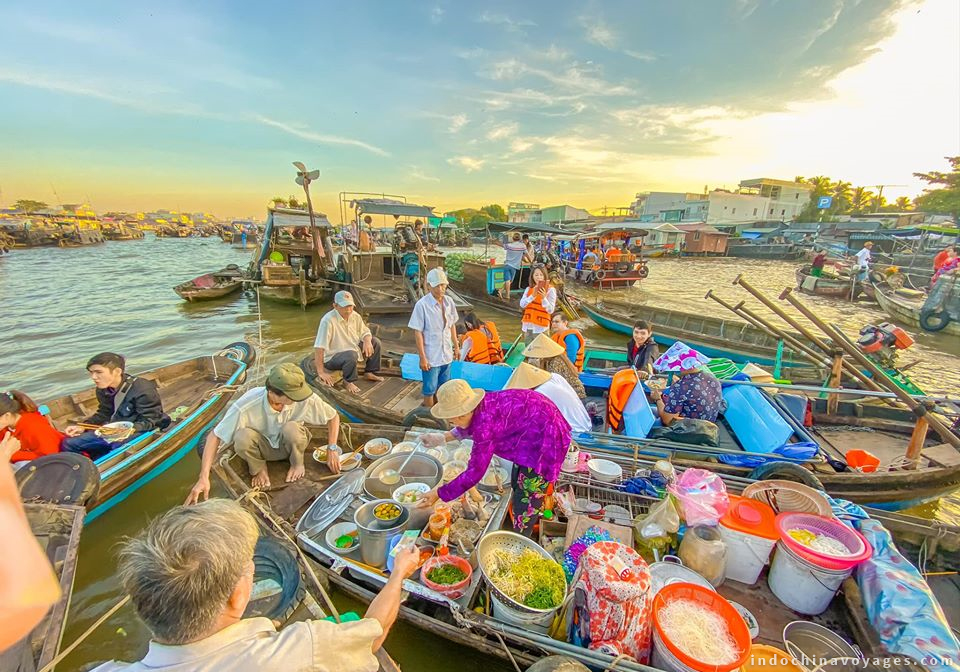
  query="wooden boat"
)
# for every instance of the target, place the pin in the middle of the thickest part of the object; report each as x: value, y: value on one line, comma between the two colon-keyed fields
x: 74, y: 235
x: 293, y: 263
x: 466, y: 620
x: 836, y: 288
x: 57, y: 528
x: 914, y: 310
x: 195, y: 392
x: 211, y: 285
x: 612, y: 270
x: 116, y: 230
x: 750, y: 250
x: 32, y: 233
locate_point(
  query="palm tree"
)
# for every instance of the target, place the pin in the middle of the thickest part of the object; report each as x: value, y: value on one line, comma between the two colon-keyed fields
x: 841, y: 196
x: 800, y: 179
x: 860, y: 199
x: 877, y: 202
x: 821, y: 186
x: 903, y: 204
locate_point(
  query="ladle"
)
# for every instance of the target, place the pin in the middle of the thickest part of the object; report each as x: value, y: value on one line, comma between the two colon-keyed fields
x: 392, y: 476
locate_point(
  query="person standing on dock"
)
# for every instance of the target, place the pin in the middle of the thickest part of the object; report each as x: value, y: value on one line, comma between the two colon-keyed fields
x: 538, y: 302
x: 191, y: 575
x: 570, y: 339
x: 267, y: 424
x: 863, y: 258
x: 521, y: 426
x: 516, y: 252
x: 341, y: 338
x: 434, y: 324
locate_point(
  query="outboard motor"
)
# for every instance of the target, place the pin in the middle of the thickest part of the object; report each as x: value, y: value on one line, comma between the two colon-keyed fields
x: 883, y: 342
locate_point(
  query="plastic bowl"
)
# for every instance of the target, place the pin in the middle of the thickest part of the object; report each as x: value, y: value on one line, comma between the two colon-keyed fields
x: 855, y: 542
x: 377, y: 448
x: 409, y: 487
x: 350, y: 462
x: 605, y: 470
x: 337, y: 531
x: 452, y: 590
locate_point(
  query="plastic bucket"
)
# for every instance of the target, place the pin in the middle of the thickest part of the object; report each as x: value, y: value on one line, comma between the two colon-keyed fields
x: 666, y: 654
x: 800, y: 584
x: 540, y: 622
x: 746, y: 554
x: 765, y: 658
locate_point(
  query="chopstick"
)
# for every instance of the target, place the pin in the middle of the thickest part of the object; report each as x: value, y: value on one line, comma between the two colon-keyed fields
x: 84, y: 425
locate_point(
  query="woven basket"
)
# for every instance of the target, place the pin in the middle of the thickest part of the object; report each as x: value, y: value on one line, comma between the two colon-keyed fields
x: 785, y: 496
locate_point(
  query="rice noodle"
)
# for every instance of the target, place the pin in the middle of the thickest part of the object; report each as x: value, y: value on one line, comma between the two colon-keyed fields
x: 821, y: 543
x: 698, y: 632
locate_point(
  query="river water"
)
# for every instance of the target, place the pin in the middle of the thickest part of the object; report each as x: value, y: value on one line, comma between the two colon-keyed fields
x: 60, y: 306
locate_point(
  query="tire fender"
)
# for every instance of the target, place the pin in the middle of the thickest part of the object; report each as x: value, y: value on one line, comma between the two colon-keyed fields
x: 787, y: 471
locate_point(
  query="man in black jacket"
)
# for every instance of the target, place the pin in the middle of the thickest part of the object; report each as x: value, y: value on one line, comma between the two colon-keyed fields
x: 121, y: 397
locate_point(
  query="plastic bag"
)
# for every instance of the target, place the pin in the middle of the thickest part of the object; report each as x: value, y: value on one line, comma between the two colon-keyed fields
x: 690, y: 431
x: 702, y: 496
x: 662, y: 519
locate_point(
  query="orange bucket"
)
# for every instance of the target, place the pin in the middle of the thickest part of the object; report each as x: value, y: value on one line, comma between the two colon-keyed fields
x: 861, y: 460
x: 765, y: 658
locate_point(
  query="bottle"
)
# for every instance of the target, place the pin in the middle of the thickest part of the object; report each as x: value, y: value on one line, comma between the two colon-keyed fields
x: 548, y: 502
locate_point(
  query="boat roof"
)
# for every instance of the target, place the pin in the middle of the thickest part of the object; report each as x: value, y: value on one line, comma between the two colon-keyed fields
x: 288, y: 217
x: 634, y: 225
x: 389, y: 206
x: 529, y: 227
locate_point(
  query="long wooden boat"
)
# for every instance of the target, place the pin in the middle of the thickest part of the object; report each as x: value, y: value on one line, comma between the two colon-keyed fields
x: 836, y: 288
x: 465, y: 620
x: 57, y: 528
x: 211, y: 285
x: 909, y: 310
x: 121, y: 231
x: 751, y: 250
x: 196, y: 391
x: 289, y: 268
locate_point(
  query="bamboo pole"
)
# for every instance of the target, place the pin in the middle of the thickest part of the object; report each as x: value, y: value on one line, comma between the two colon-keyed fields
x: 833, y: 399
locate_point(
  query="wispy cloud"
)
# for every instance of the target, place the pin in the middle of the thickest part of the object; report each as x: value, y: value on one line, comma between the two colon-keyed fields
x: 577, y: 78
x: 468, y: 163
x: 513, y: 25
x: 305, y: 133
x: 418, y: 174
x: 640, y: 55
x: 825, y: 27
x: 598, y: 32
x: 520, y: 145
x: 554, y: 53
x: 436, y: 14
x: 503, y: 131
x: 457, y: 122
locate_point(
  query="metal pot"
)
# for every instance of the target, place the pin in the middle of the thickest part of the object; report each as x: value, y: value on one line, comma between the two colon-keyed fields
x: 421, y: 468
x: 375, y: 533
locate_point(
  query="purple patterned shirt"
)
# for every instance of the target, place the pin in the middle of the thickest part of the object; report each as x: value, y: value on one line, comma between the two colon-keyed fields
x: 522, y: 426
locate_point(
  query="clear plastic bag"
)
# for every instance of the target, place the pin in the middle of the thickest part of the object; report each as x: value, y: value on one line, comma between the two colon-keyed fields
x: 661, y: 520
x: 702, y: 496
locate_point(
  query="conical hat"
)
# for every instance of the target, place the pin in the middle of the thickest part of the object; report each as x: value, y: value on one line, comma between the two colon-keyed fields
x: 543, y: 346
x: 527, y: 377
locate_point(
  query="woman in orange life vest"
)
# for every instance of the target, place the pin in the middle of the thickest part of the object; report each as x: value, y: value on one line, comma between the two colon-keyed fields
x: 22, y: 422
x: 539, y: 300
x: 480, y: 342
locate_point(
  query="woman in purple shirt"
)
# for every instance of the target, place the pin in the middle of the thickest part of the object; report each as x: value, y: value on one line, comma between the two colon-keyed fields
x: 522, y: 426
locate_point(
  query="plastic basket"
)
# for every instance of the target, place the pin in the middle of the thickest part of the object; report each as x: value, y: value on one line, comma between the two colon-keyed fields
x: 450, y: 590
x: 855, y: 543
x: 713, y: 602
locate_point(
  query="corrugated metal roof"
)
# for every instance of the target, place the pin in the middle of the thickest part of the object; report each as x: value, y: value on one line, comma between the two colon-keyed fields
x: 523, y: 226
x: 382, y: 206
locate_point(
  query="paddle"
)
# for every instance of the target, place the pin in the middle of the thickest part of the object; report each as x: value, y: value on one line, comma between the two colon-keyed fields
x: 510, y: 351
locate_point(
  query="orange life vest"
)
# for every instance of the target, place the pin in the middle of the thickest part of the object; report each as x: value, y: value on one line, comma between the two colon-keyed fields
x: 496, y: 347
x: 560, y: 340
x: 621, y: 387
x: 485, y: 345
x: 535, y: 313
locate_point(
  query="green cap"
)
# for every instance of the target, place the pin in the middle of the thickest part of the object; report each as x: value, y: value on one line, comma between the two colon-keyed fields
x: 288, y: 378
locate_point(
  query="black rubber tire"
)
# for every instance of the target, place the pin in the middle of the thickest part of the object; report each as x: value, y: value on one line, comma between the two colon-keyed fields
x: 421, y: 416
x: 60, y: 478
x: 624, y: 268
x: 787, y: 471
x: 249, y: 352
x: 643, y: 271
x: 876, y: 277
x: 600, y: 275
x: 934, y: 320
x: 273, y: 560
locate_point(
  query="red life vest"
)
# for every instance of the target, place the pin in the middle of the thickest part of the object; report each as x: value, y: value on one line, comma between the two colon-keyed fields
x: 560, y: 340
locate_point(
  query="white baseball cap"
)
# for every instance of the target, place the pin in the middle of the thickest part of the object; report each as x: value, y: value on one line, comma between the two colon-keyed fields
x: 437, y: 277
x: 343, y: 299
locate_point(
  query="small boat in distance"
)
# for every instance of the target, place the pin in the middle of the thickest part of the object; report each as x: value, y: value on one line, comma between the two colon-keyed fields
x: 845, y: 288
x: 211, y: 285
x: 940, y: 311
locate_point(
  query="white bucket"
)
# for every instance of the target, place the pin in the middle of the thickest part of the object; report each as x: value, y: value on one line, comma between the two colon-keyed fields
x: 662, y: 659
x: 800, y: 584
x: 746, y: 554
x: 539, y: 622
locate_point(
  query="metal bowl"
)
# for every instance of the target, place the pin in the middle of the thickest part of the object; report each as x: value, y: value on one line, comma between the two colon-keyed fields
x: 421, y: 468
x: 672, y: 570
x: 510, y: 542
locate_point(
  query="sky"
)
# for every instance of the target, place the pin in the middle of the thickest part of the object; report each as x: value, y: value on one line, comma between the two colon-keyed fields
x: 203, y: 106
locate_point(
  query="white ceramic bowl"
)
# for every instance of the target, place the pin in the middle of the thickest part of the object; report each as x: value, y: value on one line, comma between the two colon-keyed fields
x: 489, y: 480
x: 454, y: 469
x: 584, y: 505
x: 605, y: 470
x: 377, y: 448
x: 404, y: 447
x: 409, y: 487
x: 339, y: 530
x: 350, y: 461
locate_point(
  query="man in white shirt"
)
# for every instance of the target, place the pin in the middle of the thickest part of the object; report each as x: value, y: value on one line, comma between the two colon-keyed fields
x: 266, y: 424
x: 516, y: 252
x: 191, y: 575
x: 863, y: 261
x: 556, y: 389
x: 341, y: 338
x: 434, y: 321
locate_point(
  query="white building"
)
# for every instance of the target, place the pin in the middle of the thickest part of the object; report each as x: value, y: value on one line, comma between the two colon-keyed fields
x: 728, y: 208
x: 787, y: 199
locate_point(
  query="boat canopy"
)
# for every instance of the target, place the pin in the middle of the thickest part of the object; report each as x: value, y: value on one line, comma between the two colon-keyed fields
x: 941, y: 228
x: 632, y: 226
x: 285, y: 217
x: 526, y: 227
x: 387, y: 206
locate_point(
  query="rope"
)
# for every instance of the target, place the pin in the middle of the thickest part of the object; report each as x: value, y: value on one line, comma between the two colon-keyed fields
x: 86, y: 633
x: 616, y: 661
x: 507, y: 649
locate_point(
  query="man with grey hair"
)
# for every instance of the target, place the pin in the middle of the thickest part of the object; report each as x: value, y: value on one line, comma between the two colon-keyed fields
x: 190, y: 577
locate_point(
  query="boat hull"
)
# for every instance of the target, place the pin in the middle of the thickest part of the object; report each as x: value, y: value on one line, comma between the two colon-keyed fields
x: 833, y: 288
x: 908, y: 312
x: 189, y: 292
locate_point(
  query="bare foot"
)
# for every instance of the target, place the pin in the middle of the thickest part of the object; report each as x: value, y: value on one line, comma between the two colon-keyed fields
x: 373, y: 377
x: 295, y: 473
x: 352, y: 388
x: 261, y: 479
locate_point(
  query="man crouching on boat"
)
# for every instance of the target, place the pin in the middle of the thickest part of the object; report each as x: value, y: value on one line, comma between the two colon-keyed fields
x: 266, y: 424
x: 190, y: 575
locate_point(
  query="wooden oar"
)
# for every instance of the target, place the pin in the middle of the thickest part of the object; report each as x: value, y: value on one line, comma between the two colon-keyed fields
x: 510, y: 351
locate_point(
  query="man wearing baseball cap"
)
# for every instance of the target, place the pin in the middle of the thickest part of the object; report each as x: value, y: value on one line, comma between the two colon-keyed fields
x: 434, y: 324
x: 266, y: 424
x: 342, y: 339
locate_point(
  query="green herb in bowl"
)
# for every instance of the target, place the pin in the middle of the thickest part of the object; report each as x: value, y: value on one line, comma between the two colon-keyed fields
x: 445, y: 575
